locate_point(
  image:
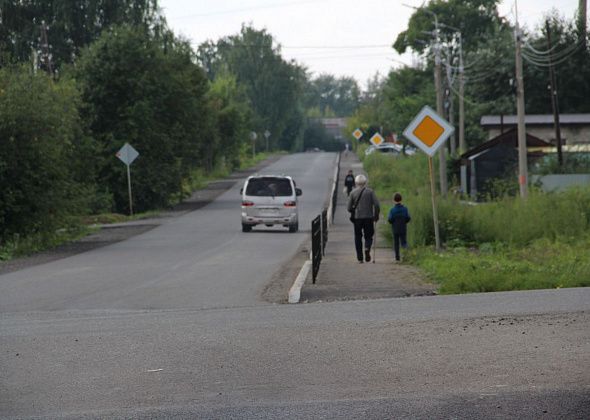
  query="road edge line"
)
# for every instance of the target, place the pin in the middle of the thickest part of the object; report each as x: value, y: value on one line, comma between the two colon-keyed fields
x: 295, y: 290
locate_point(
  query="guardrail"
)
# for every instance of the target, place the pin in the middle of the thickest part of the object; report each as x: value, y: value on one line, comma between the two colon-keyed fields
x: 334, y: 193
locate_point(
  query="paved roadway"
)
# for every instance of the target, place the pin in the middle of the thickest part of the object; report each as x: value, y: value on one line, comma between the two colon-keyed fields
x: 194, y: 340
x: 200, y: 260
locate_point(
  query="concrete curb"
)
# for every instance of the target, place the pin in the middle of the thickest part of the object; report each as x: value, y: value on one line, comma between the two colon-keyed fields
x: 295, y: 291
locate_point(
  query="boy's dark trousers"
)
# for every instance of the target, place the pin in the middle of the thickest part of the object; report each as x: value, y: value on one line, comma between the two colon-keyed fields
x: 363, y: 226
x: 399, y: 238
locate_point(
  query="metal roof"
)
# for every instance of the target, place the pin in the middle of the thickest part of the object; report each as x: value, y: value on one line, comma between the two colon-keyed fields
x: 532, y: 119
x: 510, y: 137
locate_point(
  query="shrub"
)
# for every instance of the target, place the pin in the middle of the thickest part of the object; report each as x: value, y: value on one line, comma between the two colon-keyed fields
x: 40, y: 139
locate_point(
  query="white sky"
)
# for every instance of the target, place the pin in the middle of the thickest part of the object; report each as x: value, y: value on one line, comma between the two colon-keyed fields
x: 359, y: 32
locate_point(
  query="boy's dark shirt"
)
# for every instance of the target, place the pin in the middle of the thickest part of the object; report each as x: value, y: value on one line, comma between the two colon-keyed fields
x: 349, y: 181
x: 399, y: 217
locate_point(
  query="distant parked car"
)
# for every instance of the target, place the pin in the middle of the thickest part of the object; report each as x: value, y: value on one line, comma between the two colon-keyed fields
x: 270, y: 200
x: 391, y: 148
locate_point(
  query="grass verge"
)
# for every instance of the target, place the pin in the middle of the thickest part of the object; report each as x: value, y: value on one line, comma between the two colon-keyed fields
x: 500, y: 245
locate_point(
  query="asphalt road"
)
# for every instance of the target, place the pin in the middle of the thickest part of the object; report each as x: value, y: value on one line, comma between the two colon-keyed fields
x: 199, y: 260
x: 170, y: 324
x: 423, y: 357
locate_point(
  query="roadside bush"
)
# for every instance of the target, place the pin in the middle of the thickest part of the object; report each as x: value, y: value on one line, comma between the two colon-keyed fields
x: 41, y: 144
x: 146, y: 90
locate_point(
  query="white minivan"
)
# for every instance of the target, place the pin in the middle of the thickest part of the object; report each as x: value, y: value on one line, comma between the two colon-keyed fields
x: 270, y: 200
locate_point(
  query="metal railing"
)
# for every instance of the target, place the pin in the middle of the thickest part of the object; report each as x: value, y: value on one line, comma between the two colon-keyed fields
x: 316, y: 247
x: 319, y: 226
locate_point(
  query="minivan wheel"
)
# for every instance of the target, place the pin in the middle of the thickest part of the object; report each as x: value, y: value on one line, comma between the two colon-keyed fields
x: 294, y: 227
x: 246, y: 228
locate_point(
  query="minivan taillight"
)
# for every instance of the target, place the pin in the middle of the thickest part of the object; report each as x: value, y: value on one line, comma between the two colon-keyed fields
x: 290, y: 204
x: 246, y: 203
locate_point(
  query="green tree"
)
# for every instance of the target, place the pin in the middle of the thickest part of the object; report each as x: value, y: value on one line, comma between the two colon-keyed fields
x: 478, y: 20
x: 570, y: 56
x: 145, y: 90
x: 68, y: 25
x: 233, y: 120
x: 274, y: 87
x: 330, y: 95
x: 41, y: 148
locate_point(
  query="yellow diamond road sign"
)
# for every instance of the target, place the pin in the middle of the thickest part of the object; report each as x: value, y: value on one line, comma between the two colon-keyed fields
x: 357, y: 134
x: 376, y: 140
x: 428, y: 131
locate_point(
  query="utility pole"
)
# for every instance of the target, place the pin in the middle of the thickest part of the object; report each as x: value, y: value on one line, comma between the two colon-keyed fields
x: 46, y: 47
x: 439, y: 110
x: 462, y: 145
x: 582, y: 16
x: 439, y: 97
x: 554, y: 97
x: 522, y: 149
x: 451, y: 114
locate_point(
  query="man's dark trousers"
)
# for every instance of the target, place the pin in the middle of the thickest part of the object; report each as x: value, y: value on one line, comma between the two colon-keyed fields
x: 363, y: 227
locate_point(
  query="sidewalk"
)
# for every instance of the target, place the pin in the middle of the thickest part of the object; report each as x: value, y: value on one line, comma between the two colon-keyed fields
x: 341, y: 277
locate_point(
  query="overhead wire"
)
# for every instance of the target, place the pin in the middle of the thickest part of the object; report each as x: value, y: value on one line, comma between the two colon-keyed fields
x: 565, y: 53
x: 552, y: 60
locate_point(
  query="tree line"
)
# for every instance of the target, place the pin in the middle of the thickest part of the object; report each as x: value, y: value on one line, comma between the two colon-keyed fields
x: 80, y: 79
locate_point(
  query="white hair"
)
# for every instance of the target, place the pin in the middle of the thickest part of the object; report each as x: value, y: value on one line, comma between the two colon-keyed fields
x: 360, y: 180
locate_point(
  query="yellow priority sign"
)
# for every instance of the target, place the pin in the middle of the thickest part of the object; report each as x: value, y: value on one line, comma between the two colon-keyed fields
x: 377, y: 139
x: 428, y: 131
x: 357, y: 133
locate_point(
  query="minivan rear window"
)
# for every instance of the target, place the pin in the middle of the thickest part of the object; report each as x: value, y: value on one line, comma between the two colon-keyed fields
x: 269, y: 187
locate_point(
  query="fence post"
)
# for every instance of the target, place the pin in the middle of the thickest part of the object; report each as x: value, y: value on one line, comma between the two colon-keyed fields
x: 316, y: 246
x: 324, y: 230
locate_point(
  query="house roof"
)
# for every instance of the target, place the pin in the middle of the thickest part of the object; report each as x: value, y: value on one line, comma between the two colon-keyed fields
x: 488, y: 120
x: 510, y: 138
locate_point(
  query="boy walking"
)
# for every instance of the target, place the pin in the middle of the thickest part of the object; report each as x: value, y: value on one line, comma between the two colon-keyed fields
x: 399, y: 217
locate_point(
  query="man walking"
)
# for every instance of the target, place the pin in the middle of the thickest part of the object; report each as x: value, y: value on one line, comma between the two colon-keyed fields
x: 349, y: 182
x: 363, y: 206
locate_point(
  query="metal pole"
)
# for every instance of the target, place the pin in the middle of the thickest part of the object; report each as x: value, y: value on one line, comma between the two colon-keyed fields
x: 462, y: 145
x: 129, y: 188
x: 554, y: 99
x: 434, y: 212
x: 440, y: 110
x: 522, y: 149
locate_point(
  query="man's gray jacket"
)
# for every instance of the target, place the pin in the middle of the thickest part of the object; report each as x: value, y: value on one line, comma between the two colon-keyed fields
x: 368, y: 205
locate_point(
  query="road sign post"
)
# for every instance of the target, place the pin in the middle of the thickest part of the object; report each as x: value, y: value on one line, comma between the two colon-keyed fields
x: 127, y: 154
x: 267, y: 135
x: 429, y: 131
x: 253, y: 137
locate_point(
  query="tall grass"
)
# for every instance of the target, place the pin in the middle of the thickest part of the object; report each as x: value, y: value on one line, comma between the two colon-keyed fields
x: 506, y: 244
x: 510, y: 220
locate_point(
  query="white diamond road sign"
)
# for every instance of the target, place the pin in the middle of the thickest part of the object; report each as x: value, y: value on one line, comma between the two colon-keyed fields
x: 428, y: 130
x: 357, y: 133
x: 127, y: 154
